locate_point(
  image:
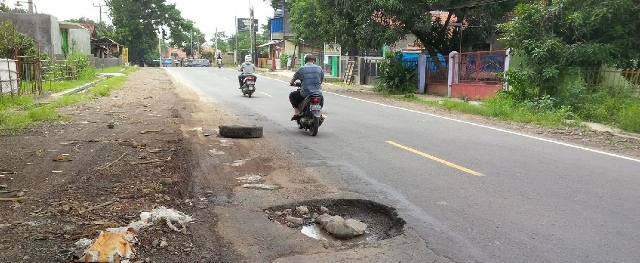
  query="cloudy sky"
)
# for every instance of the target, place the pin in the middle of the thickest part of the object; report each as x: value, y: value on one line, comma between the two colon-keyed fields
x: 207, y: 14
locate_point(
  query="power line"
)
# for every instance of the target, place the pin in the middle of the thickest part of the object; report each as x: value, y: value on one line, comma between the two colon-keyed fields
x: 100, y: 7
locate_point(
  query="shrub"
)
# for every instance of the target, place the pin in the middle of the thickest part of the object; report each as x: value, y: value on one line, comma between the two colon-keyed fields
x: 397, y: 77
x: 629, y: 118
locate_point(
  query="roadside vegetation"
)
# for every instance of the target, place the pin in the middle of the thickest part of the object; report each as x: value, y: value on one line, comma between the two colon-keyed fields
x: 20, y: 111
x: 572, y: 67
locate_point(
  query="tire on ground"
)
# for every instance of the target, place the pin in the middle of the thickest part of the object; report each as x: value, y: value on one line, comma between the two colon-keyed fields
x: 236, y: 131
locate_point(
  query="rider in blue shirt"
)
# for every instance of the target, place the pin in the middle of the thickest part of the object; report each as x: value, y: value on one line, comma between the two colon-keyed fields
x: 311, y: 76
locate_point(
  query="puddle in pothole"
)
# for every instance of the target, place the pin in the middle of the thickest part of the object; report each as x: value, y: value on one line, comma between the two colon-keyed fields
x: 382, y: 221
x: 317, y: 232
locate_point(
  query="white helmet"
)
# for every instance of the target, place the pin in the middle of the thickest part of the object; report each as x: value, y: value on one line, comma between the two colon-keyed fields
x: 247, y: 58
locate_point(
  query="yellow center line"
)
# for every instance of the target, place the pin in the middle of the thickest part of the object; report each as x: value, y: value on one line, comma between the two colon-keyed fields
x: 466, y: 170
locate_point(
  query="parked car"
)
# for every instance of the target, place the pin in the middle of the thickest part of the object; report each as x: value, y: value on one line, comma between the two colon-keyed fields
x: 198, y: 63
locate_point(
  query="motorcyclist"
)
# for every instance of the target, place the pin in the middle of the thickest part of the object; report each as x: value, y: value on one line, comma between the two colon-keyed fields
x: 311, y: 77
x: 247, y: 68
x: 219, y: 59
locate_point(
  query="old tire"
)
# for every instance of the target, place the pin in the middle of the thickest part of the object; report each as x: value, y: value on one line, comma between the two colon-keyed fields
x: 236, y: 131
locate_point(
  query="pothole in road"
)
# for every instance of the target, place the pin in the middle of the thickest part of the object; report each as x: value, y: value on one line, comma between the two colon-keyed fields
x: 382, y: 222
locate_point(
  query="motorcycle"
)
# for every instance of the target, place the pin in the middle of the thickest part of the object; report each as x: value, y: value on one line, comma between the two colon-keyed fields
x: 219, y: 61
x: 249, y: 85
x: 310, y: 117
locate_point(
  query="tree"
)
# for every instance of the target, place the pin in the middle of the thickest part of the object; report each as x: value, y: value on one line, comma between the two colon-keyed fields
x: 100, y: 29
x: 553, y: 37
x: 244, y: 43
x: 221, y: 41
x: 139, y: 24
x: 371, y: 24
x: 12, y: 41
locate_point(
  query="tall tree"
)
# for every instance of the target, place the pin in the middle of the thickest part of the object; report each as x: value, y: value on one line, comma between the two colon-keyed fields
x: 221, y: 41
x: 243, y: 40
x: 139, y: 23
x: 370, y: 24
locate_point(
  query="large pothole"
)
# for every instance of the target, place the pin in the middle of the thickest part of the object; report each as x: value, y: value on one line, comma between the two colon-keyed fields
x: 382, y: 221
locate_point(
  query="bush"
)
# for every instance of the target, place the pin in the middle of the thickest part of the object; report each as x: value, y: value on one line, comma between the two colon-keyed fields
x: 283, y: 61
x: 629, y: 118
x: 397, y: 77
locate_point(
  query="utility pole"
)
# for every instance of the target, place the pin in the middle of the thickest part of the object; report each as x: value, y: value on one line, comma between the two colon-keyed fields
x: 100, y: 8
x: 215, y: 42
x: 160, y: 46
x: 254, y: 54
x: 191, y: 43
x: 235, y: 52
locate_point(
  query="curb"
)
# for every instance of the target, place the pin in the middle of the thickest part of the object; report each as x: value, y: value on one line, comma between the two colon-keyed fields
x: 79, y: 88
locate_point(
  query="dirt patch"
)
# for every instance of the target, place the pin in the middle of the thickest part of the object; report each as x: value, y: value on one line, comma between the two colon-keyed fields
x: 109, y: 160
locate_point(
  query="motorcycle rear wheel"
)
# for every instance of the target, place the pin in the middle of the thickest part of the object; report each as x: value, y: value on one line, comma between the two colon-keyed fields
x: 315, y: 124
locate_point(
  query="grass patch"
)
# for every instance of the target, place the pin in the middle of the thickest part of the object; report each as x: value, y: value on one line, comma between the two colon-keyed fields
x: 124, y: 70
x: 9, y: 102
x: 43, y: 113
x: 629, y: 118
x: 501, y: 108
x: 18, y: 112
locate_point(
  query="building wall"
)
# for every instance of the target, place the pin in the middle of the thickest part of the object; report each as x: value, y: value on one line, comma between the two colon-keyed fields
x: 41, y: 27
x: 409, y: 40
x: 55, y: 41
x: 79, y: 40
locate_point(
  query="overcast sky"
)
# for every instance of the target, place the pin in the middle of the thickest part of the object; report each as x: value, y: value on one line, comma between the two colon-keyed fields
x: 207, y: 14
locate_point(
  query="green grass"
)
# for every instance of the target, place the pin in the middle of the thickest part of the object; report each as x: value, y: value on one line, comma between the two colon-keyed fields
x: 124, y: 70
x: 500, y: 108
x: 17, y: 112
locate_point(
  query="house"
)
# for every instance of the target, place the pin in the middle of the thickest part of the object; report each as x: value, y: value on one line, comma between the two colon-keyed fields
x: 56, y: 39
x: 282, y: 40
x: 105, y: 48
x: 412, y: 44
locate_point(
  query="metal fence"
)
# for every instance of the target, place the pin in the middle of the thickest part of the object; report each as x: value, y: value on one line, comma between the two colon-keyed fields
x: 370, y: 68
x: 436, y: 73
x: 31, y: 74
x: 480, y: 67
x: 619, y: 81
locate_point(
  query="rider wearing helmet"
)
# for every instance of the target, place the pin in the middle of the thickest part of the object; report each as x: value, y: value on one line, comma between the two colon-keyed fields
x: 247, y: 68
x: 311, y: 76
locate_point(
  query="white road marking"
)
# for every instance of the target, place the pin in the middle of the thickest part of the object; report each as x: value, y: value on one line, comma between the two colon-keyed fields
x: 480, y: 125
x: 495, y: 129
x: 266, y: 94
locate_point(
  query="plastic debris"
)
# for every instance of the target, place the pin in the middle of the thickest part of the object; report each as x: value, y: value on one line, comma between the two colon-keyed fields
x: 111, y: 247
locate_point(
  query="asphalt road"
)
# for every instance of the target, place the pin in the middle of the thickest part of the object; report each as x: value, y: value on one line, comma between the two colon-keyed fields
x: 473, y: 193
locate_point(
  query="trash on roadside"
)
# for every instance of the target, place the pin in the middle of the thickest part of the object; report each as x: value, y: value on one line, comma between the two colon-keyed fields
x: 62, y: 158
x: 116, y: 244
x: 111, y: 247
x: 261, y: 186
x: 157, y: 215
x: 250, y: 178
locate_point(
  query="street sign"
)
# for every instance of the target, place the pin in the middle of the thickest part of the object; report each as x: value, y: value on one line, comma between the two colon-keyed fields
x: 245, y: 23
x: 125, y: 55
x: 332, y: 49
